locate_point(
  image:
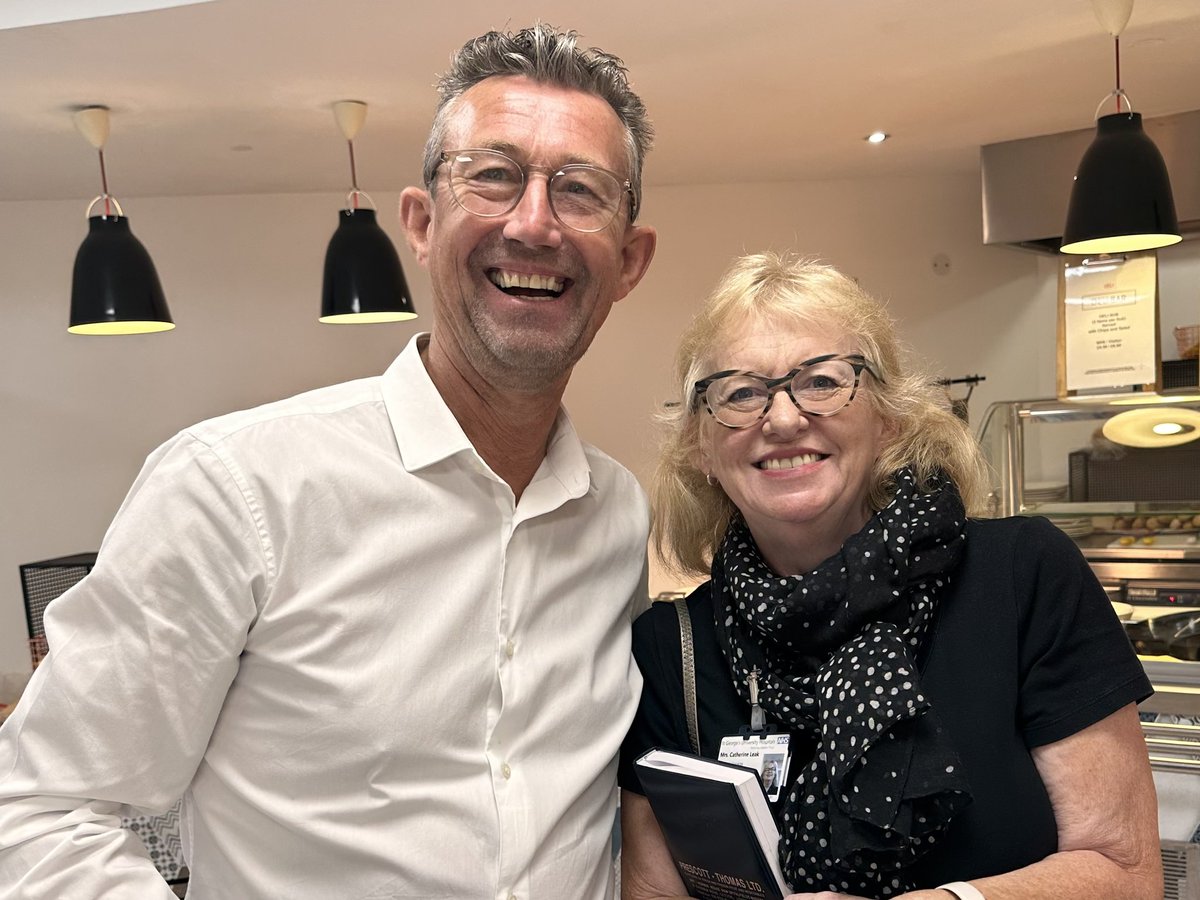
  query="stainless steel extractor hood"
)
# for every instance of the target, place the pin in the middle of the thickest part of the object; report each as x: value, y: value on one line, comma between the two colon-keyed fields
x: 1027, y: 182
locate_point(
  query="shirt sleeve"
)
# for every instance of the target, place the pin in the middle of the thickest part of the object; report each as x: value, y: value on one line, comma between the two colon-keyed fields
x: 1076, y: 663
x: 141, y: 654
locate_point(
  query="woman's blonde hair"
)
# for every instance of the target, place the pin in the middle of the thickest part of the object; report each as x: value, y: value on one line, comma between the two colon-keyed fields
x: 690, y: 515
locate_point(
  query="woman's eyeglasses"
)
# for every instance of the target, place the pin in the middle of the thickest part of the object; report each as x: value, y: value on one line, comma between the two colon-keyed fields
x: 822, y: 386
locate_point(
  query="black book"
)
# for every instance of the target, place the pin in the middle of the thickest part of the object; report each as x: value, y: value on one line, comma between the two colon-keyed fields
x: 717, y: 825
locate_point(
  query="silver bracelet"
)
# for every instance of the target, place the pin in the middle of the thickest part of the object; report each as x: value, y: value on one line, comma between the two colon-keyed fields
x: 962, y: 890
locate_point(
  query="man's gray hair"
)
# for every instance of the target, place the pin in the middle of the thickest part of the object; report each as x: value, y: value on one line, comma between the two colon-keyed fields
x: 549, y: 56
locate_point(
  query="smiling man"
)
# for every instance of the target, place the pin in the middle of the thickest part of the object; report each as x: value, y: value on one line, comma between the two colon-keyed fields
x: 377, y: 635
x: 526, y: 226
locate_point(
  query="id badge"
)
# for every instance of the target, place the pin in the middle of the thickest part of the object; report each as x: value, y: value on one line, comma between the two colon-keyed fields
x: 767, y: 754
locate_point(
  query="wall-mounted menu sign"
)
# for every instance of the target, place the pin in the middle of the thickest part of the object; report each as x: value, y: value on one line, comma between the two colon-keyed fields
x: 1108, y: 324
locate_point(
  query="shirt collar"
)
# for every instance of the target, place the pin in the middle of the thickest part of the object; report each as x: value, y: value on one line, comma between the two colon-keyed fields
x: 426, y: 431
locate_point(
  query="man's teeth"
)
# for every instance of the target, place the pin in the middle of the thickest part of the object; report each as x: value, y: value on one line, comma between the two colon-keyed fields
x: 534, y: 282
x: 789, y: 463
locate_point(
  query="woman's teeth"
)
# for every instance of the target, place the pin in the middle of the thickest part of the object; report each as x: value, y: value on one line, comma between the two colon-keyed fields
x: 789, y: 463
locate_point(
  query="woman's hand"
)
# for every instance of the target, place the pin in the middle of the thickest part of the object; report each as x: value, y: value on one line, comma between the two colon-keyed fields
x: 647, y: 870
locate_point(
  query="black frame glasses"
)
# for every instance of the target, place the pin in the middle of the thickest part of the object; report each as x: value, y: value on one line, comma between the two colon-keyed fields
x: 787, y: 383
x: 589, y: 196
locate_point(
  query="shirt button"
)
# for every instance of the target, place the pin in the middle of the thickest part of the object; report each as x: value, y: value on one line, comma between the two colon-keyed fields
x: 506, y: 771
x: 509, y: 649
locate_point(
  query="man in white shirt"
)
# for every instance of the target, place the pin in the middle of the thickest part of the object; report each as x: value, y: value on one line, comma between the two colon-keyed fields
x: 376, y: 635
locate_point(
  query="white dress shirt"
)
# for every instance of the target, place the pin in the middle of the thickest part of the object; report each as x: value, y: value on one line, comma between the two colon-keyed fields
x: 370, y: 674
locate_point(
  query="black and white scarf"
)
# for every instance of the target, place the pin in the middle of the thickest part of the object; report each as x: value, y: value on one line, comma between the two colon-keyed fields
x: 836, y: 651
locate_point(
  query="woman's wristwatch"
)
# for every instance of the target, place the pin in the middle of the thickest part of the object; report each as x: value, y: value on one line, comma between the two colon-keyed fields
x: 962, y: 890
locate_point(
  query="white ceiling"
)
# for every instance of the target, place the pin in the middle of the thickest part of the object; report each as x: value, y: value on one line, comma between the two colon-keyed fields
x: 233, y: 96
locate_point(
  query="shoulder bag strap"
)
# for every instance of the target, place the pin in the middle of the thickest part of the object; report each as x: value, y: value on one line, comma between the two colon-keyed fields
x: 689, y: 672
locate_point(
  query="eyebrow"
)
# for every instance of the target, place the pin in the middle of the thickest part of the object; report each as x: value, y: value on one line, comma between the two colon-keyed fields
x: 518, y: 153
x: 808, y: 362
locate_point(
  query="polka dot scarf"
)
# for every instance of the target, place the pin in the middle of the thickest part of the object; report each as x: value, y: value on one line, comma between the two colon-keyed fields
x: 836, y: 650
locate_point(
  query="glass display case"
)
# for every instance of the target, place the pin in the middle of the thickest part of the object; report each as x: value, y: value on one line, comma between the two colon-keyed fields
x: 1121, y: 476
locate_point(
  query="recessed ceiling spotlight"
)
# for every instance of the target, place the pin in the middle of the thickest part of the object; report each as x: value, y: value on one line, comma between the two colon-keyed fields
x: 877, y: 137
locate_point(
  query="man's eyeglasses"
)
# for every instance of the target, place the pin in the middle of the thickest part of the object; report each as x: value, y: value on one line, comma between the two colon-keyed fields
x: 487, y: 183
x: 821, y: 386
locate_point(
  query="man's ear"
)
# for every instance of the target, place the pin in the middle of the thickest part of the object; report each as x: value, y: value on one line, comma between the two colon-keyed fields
x: 636, y: 253
x: 416, y: 216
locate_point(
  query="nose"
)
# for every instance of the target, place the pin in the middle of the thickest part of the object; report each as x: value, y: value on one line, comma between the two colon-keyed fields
x: 532, y: 220
x: 784, y: 418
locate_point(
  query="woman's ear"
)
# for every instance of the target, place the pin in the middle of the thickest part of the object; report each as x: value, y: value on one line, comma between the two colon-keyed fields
x: 701, y: 457
x: 891, y: 430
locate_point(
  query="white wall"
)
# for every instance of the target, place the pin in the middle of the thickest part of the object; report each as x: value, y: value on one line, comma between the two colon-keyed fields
x: 242, y: 275
x: 79, y: 414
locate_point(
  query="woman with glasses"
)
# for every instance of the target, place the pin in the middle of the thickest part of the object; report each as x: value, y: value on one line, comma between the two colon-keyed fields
x: 957, y: 695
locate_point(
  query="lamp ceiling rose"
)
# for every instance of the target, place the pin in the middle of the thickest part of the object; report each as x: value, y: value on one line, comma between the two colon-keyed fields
x: 350, y: 115
x: 1113, y: 14
x: 92, y: 123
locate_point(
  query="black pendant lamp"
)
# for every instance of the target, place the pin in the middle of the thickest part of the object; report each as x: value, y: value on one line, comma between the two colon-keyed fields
x: 364, y: 281
x: 114, y: 288
x: 1121, y: 200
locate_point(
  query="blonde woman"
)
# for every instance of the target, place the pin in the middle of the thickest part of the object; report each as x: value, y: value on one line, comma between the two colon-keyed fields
x: 959, y: 695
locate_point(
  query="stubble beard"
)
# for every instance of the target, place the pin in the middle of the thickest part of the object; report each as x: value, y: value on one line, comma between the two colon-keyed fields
x: 519, y: 351
x: 522, y: 355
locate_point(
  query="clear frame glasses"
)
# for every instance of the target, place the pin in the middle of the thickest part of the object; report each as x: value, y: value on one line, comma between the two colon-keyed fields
x: 488, y: 183
x: 821, y: 386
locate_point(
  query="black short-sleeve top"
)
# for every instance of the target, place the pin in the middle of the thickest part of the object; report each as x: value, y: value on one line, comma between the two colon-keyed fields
x: 1026, y: 650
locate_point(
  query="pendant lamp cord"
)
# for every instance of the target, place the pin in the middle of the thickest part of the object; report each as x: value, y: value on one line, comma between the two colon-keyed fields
x: 1117, y: 52
x: 1118, y: 92
x: 104, y: 185
x: 353, y: 175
